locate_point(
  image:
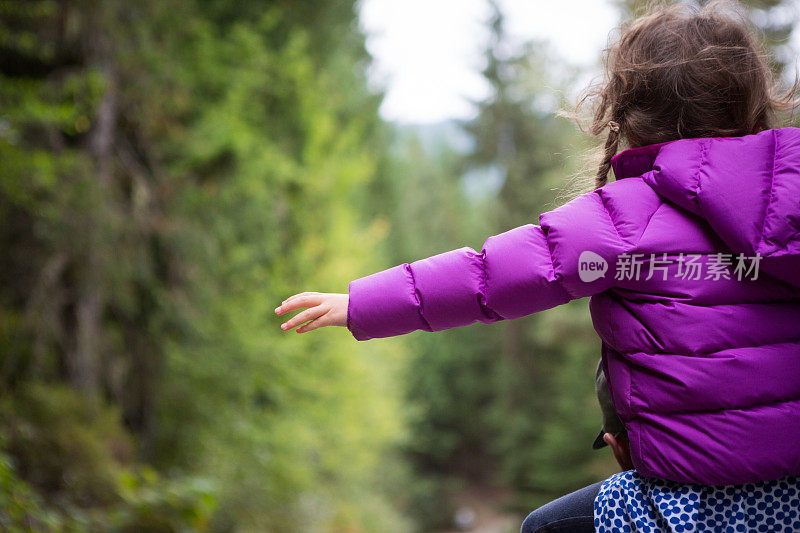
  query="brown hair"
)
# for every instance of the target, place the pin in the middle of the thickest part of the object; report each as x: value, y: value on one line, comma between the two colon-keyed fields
x: 681, y: 71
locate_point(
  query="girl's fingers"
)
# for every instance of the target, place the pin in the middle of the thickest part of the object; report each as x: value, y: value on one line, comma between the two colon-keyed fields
x: 306, y: 299
x: 305, y: 316
x: 307, y: 293
x: 314, y: 324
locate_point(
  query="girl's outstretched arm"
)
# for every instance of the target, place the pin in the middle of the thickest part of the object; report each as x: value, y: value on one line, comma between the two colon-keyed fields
x: 571, y: 254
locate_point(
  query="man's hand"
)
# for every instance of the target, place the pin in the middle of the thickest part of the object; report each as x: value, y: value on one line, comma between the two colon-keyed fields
x: 324, y: 309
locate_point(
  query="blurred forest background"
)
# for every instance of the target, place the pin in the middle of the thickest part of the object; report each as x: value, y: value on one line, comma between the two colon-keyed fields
x: 170, y: 171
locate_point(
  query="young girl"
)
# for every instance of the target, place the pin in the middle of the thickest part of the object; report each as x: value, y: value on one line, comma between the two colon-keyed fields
x: 692, y: 261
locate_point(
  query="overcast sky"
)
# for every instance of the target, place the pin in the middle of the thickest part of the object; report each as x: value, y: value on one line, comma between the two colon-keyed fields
x: 428, y: 53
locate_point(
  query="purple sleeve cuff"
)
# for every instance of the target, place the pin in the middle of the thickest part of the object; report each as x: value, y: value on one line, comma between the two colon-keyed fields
x: 384, y: 304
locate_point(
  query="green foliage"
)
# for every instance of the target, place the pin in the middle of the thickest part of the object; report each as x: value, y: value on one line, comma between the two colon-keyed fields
x: 64, y: 445
x: 172, y: 171
x: 152, y: 503
x: 73, y: 469
x: 23, y: 509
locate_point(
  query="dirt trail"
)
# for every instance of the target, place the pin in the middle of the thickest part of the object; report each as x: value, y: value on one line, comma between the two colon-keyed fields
x: 486, y: 504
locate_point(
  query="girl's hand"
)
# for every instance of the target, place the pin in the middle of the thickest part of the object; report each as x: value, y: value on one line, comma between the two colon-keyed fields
x: 324, y: 309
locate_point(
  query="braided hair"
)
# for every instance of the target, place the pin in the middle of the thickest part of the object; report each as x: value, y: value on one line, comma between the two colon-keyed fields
x: 611, y: 147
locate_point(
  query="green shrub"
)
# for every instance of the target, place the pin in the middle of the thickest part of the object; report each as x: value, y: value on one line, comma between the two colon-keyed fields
x: 67, y: 464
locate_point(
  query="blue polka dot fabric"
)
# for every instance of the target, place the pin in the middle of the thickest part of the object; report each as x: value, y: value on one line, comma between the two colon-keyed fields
x: 628, y: 502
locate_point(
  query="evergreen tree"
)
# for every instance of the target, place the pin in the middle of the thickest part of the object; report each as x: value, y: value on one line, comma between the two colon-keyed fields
x: 171, y: 172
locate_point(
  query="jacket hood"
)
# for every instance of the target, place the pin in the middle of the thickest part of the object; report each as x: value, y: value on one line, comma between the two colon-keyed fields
x: 747, y: 189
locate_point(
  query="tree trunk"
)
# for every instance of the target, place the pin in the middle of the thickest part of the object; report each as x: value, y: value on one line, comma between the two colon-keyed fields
x: 84, y: 364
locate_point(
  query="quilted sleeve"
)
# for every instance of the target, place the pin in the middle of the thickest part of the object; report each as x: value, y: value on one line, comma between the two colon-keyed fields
x: 569, y: 255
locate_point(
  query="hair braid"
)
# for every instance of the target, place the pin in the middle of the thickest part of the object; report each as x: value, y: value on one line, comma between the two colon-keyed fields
x: 612, y: 144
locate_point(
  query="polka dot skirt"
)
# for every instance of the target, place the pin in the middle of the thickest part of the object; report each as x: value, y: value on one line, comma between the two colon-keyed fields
x: 628, y: 502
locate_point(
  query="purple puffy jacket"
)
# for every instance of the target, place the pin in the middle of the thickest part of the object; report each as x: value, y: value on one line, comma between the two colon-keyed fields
x: 700, y: 347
